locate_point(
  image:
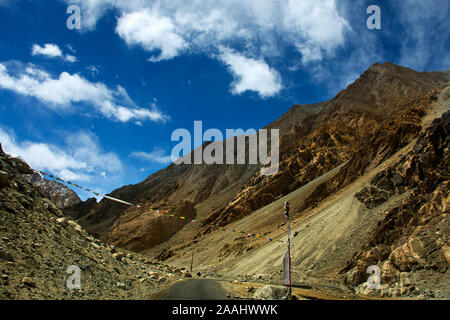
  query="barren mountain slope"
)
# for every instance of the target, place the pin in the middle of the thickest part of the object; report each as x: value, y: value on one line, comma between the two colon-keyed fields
x: 206, y: 186
x: 386, y: 216
x: 314, y: 140
x: 333, y: 135
x: 38, y: 244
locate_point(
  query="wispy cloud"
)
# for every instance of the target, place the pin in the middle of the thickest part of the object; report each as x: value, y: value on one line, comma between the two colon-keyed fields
x: 70, y: 58
x: 50, y: 50
x: 422, y: 49
x: 156, y: 156
x: 64, y: 92
x: 80, y: 159
x: 93, y: 70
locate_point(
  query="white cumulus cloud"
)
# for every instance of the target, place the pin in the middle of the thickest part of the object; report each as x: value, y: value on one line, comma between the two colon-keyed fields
x: 251, y: 75
x: 263, y: 28
x: 50, y: 50
x: 173, y: 26
x: 318, y: 29
x: 64, y: 92
x: 151, y: 31
x: 204, y: 23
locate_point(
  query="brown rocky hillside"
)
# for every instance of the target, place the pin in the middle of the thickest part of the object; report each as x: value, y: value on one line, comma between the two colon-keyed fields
x: 387, y: 206
x: 314, y: 139
x: 413, y: 237
x: 38, y: 243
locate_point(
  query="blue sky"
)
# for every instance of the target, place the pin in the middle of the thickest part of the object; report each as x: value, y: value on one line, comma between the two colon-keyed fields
x: 98, y: 105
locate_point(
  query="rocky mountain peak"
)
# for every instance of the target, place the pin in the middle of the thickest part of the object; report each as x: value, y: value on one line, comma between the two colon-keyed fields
x: 61, y: 195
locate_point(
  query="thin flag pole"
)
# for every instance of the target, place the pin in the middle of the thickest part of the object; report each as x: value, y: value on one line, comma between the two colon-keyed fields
x: 290, y: 278
x: 286, y: 213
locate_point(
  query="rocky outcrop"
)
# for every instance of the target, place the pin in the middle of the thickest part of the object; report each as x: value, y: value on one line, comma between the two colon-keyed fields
x: 396, y: 134
x: 413, y: 236
x: 139, y: 229
x: 61, y: 195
